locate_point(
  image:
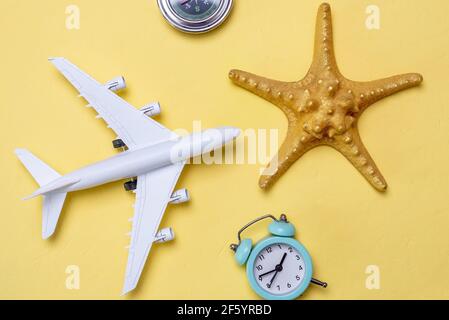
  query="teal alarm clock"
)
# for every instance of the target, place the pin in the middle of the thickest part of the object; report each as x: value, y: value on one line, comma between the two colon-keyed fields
x: 277, y: 267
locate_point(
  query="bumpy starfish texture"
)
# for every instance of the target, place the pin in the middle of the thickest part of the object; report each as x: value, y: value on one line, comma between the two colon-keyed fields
x: 323, y: 108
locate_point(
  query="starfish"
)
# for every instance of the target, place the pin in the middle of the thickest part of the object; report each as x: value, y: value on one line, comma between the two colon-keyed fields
x: 324, y: 107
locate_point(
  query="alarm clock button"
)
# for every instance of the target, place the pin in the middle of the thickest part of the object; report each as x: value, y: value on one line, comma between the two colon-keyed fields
x: 243, y: 251
x: 282, y: 229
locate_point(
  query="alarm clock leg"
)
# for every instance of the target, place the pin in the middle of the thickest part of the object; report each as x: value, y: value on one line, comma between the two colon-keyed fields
x: 319, y: 283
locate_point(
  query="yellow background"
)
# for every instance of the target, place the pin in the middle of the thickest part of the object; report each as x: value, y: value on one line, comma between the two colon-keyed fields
x: 342, y: 220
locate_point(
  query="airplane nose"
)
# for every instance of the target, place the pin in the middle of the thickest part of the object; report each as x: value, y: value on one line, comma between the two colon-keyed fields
x: 236, y: 132
x: 232, y: 131
x: 216, y: 138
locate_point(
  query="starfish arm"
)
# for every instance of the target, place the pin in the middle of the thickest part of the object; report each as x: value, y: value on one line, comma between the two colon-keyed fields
x: 373, y: 91
x: 324, y: 55
x: 277, y: 92
x: 351, y: 146
x: 291, y: 150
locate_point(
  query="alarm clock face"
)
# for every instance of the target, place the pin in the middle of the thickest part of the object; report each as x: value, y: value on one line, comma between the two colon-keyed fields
x: 195, y: 10
x: 279, y: 268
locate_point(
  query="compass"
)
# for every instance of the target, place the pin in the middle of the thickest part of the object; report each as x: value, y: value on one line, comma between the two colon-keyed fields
x: 195, y: 16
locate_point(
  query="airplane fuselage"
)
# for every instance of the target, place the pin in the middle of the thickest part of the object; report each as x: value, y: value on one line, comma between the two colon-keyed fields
x: 135, y: 162
x: 128, y: 164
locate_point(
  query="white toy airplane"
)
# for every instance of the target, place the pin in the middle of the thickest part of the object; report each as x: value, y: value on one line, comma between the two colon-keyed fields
x: 155, y: 155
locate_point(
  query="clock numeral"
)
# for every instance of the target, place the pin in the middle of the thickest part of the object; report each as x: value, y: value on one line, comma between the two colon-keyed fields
x: 298, y: 277
x: 280, y: 247
x: 262, y: 257
x: 290, y: 249
x: 300, y: 267
x: 259, y: 267
x: 298, y: 257
x: 289, y: 285
x: 268, y: 286
x: 269, y: 250
x: 279, y: 288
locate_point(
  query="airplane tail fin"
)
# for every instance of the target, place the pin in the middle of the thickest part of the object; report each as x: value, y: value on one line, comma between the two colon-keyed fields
x: 53, y: 201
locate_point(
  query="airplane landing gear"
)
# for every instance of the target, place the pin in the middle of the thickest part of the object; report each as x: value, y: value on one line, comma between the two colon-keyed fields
x: 130, y: 185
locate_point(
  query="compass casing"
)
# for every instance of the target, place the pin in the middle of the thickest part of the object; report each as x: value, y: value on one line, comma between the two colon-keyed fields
x: 195, y: 26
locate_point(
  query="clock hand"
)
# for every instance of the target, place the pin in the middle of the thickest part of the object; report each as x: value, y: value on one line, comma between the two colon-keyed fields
x: 262, y: 275
x: 272, y: 279
x: 282, y: 260
x: 277, y: 269
x: 185, y: 2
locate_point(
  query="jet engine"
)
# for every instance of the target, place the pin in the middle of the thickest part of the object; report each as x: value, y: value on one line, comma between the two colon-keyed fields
x: 180, y: 196
x: 164, y: 235
x: 151, y: 109
x: 116, y: 84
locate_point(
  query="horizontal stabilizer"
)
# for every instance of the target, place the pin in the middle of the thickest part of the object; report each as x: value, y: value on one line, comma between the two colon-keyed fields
x: 48, y: 180
x: 53, y: 203
x: 40, y: 171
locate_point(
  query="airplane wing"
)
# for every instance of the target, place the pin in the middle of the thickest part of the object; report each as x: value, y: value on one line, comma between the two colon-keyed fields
x: 133, y: 127
x: 153, y: 193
